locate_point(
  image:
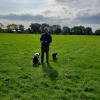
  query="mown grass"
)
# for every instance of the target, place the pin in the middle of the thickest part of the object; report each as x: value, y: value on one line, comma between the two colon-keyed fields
x: 74, y: 76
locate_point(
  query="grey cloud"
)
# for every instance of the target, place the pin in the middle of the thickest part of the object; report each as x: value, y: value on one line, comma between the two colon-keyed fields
x: 27, y: 17
x: 64, y: 1
x: 33, y: 18
x: 60, y: 0
x: 47, y: 12
x: 93, y: 19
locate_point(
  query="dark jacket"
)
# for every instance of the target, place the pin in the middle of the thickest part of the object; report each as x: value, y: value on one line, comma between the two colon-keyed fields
x: 45, y: 39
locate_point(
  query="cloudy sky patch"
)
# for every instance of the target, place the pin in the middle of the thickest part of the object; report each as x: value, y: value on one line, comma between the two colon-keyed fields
x: 62, y: 12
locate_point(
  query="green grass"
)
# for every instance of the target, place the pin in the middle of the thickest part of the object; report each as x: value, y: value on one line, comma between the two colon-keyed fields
x: 74, y: 76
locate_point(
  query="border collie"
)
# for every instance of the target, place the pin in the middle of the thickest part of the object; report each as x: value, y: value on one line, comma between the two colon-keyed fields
x: 36, y: 59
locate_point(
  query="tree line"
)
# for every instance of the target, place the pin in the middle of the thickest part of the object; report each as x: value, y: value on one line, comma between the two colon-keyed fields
x: 36, y: 28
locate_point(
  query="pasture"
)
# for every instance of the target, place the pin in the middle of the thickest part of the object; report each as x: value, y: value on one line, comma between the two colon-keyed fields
x: 74, y: 76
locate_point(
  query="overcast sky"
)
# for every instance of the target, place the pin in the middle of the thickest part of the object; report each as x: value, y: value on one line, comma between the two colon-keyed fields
x: 62, y: 12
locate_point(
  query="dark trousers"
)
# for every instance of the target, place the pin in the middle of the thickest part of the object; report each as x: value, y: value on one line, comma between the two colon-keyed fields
x: 44, y: 49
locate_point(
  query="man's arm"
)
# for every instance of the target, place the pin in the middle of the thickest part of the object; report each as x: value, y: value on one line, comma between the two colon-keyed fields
x: 41, y: 38
x: 50, y: 38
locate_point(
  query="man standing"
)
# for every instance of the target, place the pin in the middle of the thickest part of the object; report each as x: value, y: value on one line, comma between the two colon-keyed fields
x: 45, y: 40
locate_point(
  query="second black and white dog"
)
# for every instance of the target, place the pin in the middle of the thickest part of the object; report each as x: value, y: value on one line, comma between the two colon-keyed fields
x: 36, y: 59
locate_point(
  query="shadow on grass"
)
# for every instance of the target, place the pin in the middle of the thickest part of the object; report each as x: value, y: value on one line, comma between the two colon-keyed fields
x: 49, y: 71
x: 36, y: 65
x: 55, y: 60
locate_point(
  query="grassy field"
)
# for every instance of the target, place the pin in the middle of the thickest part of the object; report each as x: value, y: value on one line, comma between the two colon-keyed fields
x: 74, y: 76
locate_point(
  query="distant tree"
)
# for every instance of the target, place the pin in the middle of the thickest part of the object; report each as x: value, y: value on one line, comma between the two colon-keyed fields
x: 27, y: 31
x: 66, y: 30
x: 82, y: 30
x: 16, y: 27
x: 9, y: 28
x: 12, y: 28
x: 76, y: 30
x: 21, y: 28
x: 56, y: 29
x: 89, y: 31
x: 35, y: 28
x: 1, y: 26
x: 50, y: 29
x: 97, y: 32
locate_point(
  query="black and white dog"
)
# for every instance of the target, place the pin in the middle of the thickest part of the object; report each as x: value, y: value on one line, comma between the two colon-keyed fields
x: 36, y: 59
x: 54, y: 56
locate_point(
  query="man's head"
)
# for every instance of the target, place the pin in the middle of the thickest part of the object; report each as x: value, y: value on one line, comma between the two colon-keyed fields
x: 46, y: 29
